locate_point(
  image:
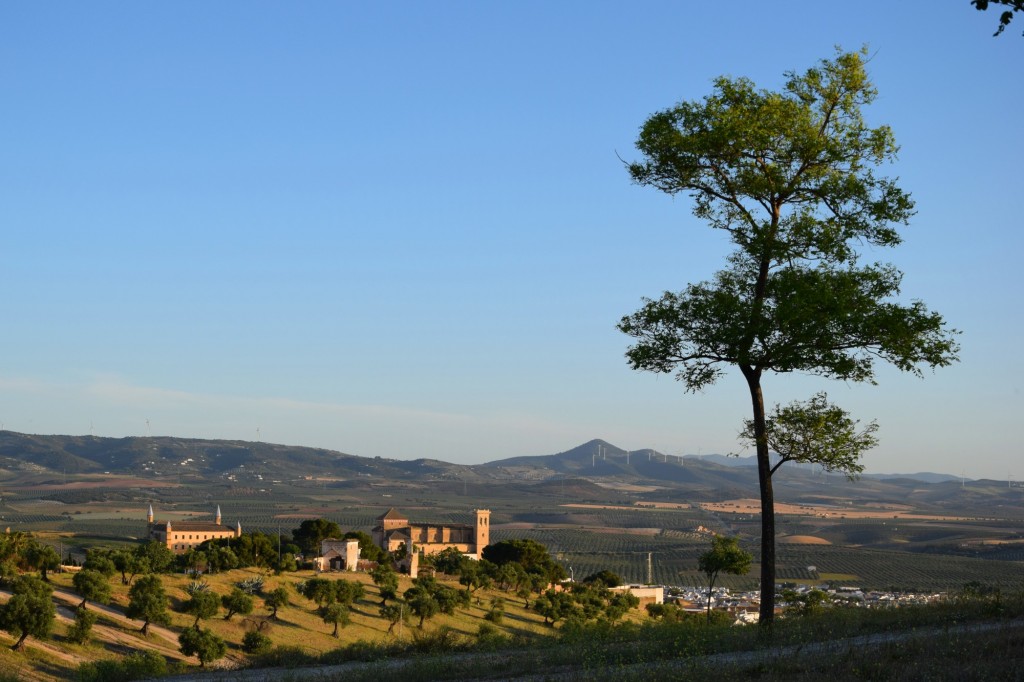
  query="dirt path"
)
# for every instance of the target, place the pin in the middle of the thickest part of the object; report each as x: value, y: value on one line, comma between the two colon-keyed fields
x: 165, y: 642
x: 169, y: 636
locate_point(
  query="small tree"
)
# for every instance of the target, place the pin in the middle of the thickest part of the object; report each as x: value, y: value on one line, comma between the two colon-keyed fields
x: 79, y: 631
x: 91, y: 585
x: 202, y: 604
x: 386, y: 580
x: 725, y: 555
x: 255, y: 642
x: 147, y: 601
x: 277, y: 599
x: 421, y: 600
x: 336, y: 614
x: 203, y: 644
x: 236, y: 602
x: 554, y: 606
x: 29, y: 611
x: 319, y: 590
x: 348, y: 592
x: 394, y: 613
x: 43, y: 558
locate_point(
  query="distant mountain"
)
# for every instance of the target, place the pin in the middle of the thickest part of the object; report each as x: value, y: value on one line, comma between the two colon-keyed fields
x: 583, y: 471
x: 209, y: 459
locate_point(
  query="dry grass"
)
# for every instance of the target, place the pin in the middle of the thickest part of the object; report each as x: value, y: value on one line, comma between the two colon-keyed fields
x: 297, y: 625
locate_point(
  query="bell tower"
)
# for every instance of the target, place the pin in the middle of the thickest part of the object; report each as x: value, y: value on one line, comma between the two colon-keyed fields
x: 483, y: 530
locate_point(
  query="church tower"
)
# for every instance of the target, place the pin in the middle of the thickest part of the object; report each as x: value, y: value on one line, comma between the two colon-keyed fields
x: 217, y: 520
x: 149, y: 515
x: 483, y: 530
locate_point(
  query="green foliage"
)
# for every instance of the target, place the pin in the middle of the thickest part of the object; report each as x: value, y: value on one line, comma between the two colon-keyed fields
x: 312, y: 532
x: 810, y: 603
x: 386, y: 580
x: 236, y: 602
x: 815, y: 432
x: 202, y: 604
x: 319, y: 590
x: 203, y: 644
x: 421, y: 599
x: 29, y: 611
x: 554, y: 606
x: 80, y: 630
x: 532, y: 556
x: 276, y: 599
x: 43, y: 558
x: 789, y: 177
x: 197, y: 586
x: 394, y: 613
x: 368, y: 549
x: 449, y: 561
x: 726, y: 556
x: 604, y: 577
x: 336, y: 614
x: 147, y: 601
x: 141, y: 665
x: 251, y: 585
x: 255, y: 643
x: 99, y: 560
x: 347, y: 592
x: 91, y: 585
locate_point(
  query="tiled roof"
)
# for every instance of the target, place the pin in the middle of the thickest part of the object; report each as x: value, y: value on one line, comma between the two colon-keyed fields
x: 391, y: 515
x: 197, y: 527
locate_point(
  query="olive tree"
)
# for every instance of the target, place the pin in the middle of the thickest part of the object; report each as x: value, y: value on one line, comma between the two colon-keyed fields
x: 789, y: 177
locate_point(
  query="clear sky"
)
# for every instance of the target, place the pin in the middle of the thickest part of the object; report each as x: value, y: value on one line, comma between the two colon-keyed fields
x: 403, y: 229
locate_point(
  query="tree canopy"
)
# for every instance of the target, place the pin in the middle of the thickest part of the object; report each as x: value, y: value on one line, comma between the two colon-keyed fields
x: 815, y: 432
x: 29, y: 611
x: 725, y: 555
x: 147, y: 601
x: 790, y: 178
x: 1006, y: 16
x: 312, y: 532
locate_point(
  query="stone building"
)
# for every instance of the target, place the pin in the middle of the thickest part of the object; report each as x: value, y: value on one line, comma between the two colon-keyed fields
x: 183, y: 535
x: 339, y: 555
x: 394, y: 530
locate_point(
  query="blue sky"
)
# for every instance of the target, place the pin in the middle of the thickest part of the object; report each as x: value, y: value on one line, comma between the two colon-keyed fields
x: 405, y: 230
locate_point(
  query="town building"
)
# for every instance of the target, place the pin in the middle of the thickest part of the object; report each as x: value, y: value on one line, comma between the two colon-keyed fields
x: 180, y: 536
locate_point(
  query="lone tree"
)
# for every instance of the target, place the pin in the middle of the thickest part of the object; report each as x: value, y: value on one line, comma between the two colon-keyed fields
x: 725, y: 555
x: 790, y: 178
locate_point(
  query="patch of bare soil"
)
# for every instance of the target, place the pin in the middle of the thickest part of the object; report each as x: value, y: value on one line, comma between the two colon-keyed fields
x: 802, y: 540
x: 752, y: 506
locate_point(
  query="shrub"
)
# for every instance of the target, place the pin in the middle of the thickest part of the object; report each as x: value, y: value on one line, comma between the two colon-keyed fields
x: 255, y: 643
x: 80, y: 630
x: 141, y: 665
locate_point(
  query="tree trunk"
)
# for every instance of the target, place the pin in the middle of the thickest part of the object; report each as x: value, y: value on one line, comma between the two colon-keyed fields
x: 764, y: 475
x: 145, y: 628
x: 21, y: 641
